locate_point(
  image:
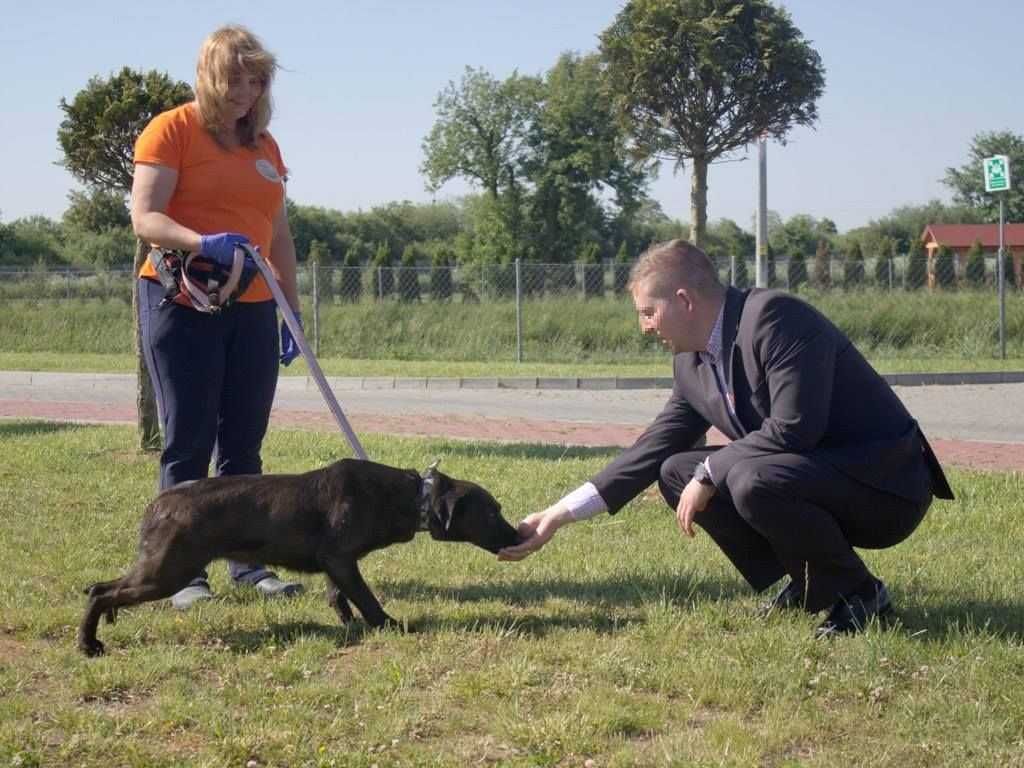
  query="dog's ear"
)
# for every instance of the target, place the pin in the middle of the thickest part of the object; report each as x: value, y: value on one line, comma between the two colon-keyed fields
x: 447, y: 500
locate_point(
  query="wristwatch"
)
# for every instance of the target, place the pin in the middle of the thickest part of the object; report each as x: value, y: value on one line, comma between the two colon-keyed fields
x: 702, y: 474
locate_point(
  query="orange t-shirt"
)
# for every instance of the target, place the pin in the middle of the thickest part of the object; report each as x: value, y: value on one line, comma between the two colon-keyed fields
x: 218, y: 190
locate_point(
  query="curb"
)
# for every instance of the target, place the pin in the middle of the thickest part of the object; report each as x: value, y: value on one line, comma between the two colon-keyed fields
x: 349, y: 383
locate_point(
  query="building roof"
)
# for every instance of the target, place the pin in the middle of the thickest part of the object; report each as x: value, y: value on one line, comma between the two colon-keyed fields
x: 964, y: 235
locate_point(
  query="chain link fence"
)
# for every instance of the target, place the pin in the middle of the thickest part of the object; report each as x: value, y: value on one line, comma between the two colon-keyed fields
x: 902, y: 306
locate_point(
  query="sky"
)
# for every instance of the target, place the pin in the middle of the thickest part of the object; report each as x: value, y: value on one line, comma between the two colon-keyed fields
x: 908, y: 84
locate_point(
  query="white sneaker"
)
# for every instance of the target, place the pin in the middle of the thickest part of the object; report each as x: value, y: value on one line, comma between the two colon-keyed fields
x: 271, y: 586
x: 193, y: 593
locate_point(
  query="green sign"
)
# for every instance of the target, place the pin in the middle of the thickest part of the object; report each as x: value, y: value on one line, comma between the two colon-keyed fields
x: 997, y: 173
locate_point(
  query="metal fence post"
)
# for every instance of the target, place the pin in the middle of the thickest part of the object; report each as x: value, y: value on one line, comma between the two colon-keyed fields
x: 519, y: 312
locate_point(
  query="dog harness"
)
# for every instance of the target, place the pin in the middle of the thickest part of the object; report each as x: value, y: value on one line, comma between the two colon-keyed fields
x: 425, y: 502
x: 192, y: 280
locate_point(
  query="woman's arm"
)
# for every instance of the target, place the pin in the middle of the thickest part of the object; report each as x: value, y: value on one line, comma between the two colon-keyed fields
x: 152, y: 188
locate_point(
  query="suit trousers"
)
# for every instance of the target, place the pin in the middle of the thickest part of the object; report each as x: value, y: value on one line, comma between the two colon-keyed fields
x: 795, y: 514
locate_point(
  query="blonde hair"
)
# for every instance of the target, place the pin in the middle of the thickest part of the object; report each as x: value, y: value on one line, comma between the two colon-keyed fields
x: 675, y: 264
x: 226, y: 52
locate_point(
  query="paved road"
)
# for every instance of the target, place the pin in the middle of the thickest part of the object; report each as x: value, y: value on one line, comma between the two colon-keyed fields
x: 984, y: 412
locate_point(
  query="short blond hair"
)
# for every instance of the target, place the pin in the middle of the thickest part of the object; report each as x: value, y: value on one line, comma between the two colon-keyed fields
x: 229, y: 50
x: 664, y: 267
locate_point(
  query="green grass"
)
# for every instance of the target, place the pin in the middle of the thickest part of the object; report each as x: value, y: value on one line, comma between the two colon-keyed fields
x: 619, y: 642
x: 900, y: 332
x: 332, y: 366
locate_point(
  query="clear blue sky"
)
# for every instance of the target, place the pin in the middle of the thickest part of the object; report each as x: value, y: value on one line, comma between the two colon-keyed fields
x: 907, y: 86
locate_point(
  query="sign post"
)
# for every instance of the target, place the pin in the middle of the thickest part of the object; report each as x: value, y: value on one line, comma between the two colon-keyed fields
x: 997, y: 179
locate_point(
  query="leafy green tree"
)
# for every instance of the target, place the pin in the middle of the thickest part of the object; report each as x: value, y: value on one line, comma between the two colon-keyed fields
x: 480, y: 130
x: 101, y: 123
x: 383, y: 277
x: 1009, y: 273
x: 822, y: 275
x: 974, y: 269
x: 97, y: 137
x: 741, y: 279
x: 318, y: 260
x: 945, y: 268
x: 885, y: 264
x: 968, y: 181
x: 593, y: 271
x: 351, y: 288
x: 917, y: 266
x: 853, y: 267
x: 797, y: 274
x: 700, y: 79
x: 96, y: 211
x: 34, y: 240
x: 408, y: 274
x: 621, y: 266
x: 579, y: 158
x: 441, y: 273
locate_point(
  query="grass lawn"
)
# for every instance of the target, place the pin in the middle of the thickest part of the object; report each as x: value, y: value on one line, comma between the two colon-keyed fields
x: 120, y: 363
x: 620, y: 642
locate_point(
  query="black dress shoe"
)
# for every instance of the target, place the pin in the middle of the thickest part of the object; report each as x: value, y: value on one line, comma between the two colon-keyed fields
x: 854, y: 611
x: 790, y: 598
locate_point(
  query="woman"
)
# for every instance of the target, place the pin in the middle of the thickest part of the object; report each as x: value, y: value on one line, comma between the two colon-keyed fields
x: 208, y: 176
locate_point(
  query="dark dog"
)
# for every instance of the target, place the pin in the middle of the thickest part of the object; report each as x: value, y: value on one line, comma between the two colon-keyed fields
x: 321, y: 521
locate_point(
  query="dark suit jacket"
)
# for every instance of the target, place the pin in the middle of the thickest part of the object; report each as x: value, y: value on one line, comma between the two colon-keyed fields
x: 800, y: 386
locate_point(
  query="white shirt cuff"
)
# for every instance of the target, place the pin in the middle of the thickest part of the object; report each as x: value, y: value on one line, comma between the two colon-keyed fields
x: 584, y: 502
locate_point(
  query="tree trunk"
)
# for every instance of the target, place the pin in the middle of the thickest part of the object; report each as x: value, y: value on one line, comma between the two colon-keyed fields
x: 149, y: 424
x: 698, y: 200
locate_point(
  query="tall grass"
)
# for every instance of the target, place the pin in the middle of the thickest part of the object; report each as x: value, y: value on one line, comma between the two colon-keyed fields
x: 620, y: 642
x: 883, y: 325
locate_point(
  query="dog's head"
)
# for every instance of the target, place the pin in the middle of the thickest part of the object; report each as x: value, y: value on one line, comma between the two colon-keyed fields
x: 463, y: 511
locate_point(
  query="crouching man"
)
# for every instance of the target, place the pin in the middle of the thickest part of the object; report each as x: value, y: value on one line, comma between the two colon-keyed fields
x: 823, y: 456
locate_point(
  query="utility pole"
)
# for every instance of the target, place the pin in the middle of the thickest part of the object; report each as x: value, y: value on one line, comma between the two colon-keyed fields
x: 761, y: 258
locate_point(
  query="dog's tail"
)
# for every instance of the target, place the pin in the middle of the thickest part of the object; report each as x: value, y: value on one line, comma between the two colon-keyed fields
x: 99, y: 590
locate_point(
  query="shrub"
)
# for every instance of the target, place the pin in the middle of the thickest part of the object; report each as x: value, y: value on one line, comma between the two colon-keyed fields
x: 945, y: 269
x: 822, y: 277
x: 917, y: 266
x: 974, y: 269
x: 853, y: 267
x: 408, y: 274
x: 797, y: 274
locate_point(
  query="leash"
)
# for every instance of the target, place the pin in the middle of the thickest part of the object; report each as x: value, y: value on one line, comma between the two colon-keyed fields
x: 300, y: 339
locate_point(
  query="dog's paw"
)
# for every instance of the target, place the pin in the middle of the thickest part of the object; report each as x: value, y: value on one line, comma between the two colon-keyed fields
x: 91, y: 648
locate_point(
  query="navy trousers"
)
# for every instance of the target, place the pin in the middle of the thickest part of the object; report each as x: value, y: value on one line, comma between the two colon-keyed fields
x: 214, y: 378
x: 795, y: 514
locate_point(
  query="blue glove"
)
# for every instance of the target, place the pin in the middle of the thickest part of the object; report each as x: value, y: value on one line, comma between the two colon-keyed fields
x: 289, y: 347
x: 221, y: 248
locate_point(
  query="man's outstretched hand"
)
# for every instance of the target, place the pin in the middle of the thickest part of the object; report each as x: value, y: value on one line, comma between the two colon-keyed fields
x: 535, y: 531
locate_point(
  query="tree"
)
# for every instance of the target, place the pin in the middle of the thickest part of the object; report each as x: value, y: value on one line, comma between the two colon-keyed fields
x: 945, y: 269
x: 97, y: 137
x: 480, y: 131
x: 797, y: 273
x: 408, y: 274
x: 578, y: 158
x: 968, y: 181
x: 885, y: 263
x: 441, y: 274
x: 356, y: 256
x: 96, y: 211
x: 700, y: 79
x: 974, y: 270
x: 853, y: 267
x: 621, y: 267
x: 100, y: 125
x: 383, y: 277
x: 917, y: 266
x: 317, y: 260
x: 593, y: 271
x: 822, y: 276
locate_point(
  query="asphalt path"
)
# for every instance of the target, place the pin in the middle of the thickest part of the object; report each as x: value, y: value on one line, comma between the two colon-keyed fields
x: 983, y: 412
